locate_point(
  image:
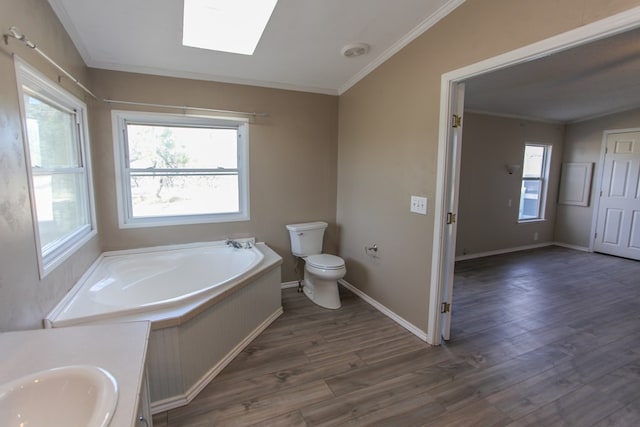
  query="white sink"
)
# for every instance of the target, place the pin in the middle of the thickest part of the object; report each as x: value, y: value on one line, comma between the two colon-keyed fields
x: 65, y: 396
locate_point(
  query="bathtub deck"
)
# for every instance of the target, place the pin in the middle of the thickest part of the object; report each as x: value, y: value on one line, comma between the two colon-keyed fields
x: 543, y: 337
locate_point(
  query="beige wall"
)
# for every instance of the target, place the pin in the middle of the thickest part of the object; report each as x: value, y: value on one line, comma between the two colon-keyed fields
x: 24, y: 298
x: 292, y: 160
x: 583, y: 143
x: 292, y: 170
x: 387, y: 145
x: 486, y: 222
x: 388, y: 138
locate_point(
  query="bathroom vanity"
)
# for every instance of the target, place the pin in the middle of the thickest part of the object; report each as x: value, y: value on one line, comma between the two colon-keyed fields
x: 118, y: 348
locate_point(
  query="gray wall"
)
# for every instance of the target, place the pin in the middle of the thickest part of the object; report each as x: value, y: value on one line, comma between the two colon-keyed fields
x: 24, y: 298
x: 583, y: 143
x: 486, y: 222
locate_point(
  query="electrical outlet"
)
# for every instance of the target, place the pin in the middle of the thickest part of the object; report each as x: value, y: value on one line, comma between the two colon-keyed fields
x: 419, y: 205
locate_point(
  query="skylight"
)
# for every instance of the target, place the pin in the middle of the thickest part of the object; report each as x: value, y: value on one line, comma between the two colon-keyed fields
x: 226, y: 25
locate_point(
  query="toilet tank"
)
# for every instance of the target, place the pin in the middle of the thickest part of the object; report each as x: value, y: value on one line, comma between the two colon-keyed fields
x: 306, y: 238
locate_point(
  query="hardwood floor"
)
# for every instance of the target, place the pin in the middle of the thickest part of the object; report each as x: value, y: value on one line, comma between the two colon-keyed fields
x: 543, y: 337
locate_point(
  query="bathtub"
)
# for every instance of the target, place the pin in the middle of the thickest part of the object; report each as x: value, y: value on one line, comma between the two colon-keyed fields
x: 205, y: 302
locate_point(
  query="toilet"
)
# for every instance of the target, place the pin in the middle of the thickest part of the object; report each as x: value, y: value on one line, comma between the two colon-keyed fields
x: 321, y: 271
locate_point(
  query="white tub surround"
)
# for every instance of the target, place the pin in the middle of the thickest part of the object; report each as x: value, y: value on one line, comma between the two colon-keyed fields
x: 27, y: 352
x: 225, y: 297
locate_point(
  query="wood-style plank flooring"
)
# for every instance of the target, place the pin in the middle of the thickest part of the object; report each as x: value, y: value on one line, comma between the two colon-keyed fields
x: 547, y: 337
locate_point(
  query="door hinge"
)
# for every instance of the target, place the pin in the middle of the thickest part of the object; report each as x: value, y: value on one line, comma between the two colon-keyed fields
x: 456, y: 121
x: 445, y: 307
x: 451, y: 218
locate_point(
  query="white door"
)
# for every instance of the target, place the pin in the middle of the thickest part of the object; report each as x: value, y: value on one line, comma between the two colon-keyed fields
x: 453, y: 179
x: 618, y: 225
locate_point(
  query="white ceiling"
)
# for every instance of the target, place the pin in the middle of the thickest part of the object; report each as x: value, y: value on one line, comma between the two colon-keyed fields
x: 587, y: 81
x: 299, y: 50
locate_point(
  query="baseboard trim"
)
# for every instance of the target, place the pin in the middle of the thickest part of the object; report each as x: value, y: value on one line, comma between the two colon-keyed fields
x: 574, y: 247
x: 384, y: 310
x: 503, y: 251
x: 184, y: 399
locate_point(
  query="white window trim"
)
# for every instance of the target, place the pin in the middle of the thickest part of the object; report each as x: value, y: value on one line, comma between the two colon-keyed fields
x: 36, y: 83
x: 119, y: 119
x: 546, y: 166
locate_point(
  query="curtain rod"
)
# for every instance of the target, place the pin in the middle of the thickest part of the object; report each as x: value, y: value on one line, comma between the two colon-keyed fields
x: 15, y: 33
x: 186, y: 107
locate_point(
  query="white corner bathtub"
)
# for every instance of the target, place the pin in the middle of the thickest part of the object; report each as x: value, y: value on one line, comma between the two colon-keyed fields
x: 205, y: 302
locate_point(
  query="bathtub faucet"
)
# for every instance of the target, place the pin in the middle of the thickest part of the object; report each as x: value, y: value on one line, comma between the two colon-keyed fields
x: 233, y: 243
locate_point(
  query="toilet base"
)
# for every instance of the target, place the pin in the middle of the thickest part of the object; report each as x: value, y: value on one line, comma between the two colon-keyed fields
x: 322, y: 292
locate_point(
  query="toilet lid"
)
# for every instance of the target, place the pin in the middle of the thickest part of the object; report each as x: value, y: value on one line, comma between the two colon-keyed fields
x: 325, y: 261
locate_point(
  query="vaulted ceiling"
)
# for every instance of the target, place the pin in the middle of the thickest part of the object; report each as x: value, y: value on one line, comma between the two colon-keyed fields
x: 301, y: 50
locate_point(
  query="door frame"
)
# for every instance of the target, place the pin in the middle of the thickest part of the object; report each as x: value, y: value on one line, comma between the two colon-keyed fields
x: 598, y: 183
x: 615, y: 24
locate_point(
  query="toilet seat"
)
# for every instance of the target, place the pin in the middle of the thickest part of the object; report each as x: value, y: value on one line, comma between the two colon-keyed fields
x: 325, y: 262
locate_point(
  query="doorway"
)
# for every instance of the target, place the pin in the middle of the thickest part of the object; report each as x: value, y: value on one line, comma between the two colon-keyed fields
x: 448, y: 176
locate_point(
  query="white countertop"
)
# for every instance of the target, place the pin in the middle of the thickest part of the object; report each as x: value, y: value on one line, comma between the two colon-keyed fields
x: 119, y: 348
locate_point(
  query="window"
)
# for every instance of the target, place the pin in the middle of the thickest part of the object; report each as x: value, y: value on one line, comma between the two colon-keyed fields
x: 534, y: 182
x: 56, y: 140
x: 175, y: 169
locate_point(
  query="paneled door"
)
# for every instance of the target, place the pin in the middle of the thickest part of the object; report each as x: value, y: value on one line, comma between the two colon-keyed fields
x: 618, y: 225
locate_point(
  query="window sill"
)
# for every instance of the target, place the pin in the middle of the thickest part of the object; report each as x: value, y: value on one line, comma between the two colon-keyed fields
x: 526, y: 221
x: 48, y: 264
x: 173, y: 221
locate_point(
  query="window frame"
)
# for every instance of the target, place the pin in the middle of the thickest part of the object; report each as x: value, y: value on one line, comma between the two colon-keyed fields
x: 120, y: 119
x: 34, y: 84
x: 543, y: 179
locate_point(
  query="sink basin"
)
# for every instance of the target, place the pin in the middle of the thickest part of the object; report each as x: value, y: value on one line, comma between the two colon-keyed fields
x: 65, y: 396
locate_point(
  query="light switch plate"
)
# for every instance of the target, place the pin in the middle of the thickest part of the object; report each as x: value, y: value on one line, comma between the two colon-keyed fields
x: 419, y: 205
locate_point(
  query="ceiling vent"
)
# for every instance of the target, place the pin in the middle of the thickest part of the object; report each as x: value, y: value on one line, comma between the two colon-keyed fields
x: 354, y: 50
